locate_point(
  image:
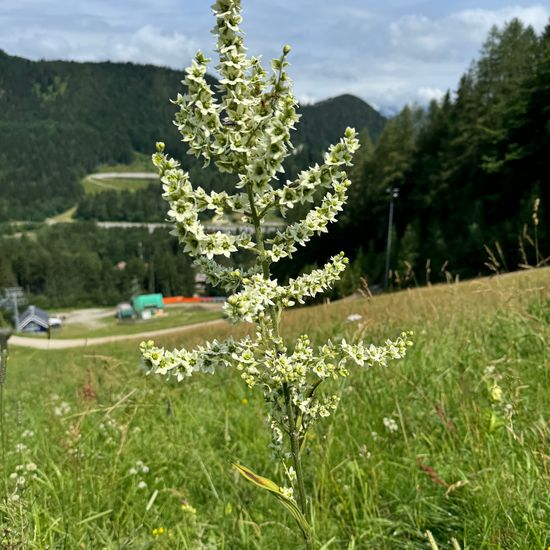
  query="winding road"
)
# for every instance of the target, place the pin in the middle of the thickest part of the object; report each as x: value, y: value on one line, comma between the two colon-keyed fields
x: 57, y: 343
x: 124, y: 176
x: 224, y: 226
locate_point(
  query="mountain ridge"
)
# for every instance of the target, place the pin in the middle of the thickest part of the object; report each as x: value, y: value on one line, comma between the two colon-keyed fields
x: 61, y: 119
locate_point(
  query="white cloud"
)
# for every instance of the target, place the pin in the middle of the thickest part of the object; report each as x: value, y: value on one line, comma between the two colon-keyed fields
x: 146, y: 44
x: 149, y: 45
x: 425, y: 94
x: 354, y: 12
x: 482, y: 20
x: 459, y: 33
x: 307, y: 99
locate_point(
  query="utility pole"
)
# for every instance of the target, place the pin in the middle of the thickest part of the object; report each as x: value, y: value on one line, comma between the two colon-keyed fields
x: 16, y: 296
x: 394, y: 193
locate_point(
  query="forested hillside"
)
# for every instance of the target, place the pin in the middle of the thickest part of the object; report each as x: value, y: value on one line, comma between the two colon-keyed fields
x: 321, y: 124
x: 60, y: 120
x: 468, y: 169
x: 81, y: 264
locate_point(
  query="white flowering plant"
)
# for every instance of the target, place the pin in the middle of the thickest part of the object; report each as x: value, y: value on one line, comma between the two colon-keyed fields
x: 244, y: 129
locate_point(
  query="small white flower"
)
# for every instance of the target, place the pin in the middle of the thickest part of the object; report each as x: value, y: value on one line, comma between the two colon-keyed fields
x: 63, y: 409
x: 31, y: 467
x: 390, y: 424
x: 291, y: 474
x: 353, y: 318
x: 496, y: 393
x: 364, y: 452
x: 142, y: 485
x: 287, y: 492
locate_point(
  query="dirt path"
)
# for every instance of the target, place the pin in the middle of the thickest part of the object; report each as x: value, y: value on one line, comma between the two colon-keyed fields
x: 124, y: 176
x: 36, y: 343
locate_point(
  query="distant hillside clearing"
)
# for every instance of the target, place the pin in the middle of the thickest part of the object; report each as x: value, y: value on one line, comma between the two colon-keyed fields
x: 117, y: 181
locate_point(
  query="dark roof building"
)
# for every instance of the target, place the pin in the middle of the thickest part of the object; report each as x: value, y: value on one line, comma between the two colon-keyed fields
x: 34, y: 320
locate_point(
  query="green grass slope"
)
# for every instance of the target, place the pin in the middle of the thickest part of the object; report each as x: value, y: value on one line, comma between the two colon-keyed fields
x: 120, y: 455
x: 92, y: 185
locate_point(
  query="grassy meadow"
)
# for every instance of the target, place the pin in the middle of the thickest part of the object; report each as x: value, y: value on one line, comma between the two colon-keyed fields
x: 93, y: 185
x: 140, y: 162
x: 455, y: 439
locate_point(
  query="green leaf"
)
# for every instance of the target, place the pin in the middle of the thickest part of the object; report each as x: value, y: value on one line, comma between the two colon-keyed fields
x: 259, y: 481
x: 275, y: 490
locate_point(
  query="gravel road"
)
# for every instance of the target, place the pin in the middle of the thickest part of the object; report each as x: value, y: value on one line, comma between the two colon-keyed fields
x: 54, y: 343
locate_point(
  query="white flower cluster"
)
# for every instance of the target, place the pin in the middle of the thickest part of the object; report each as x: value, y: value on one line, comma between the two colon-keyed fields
x: 20, y: 478
x: 138, y: 470
x: 247, y: 130
x: 259, y: 294
x: 272, y: 366
x: 244, y: 129
x: 390, y: 424
x: 184, y: 363
x: 184, y: 212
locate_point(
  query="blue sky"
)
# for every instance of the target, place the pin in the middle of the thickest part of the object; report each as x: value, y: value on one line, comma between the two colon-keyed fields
x: 387, y: 52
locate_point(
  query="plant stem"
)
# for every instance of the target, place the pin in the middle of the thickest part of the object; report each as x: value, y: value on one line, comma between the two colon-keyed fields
x: 261, y: 253
x: 3, y: 440
x: 295, y: 449
x: 292, y: 432
x: 537, y: 255
x: 3, y: 368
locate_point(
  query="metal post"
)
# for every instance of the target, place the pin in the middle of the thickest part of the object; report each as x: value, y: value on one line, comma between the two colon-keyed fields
x: 5, y: 334
x: 394, y: 193
x: 16, y: 295
x: 15, y: 310
x: 4, y: 337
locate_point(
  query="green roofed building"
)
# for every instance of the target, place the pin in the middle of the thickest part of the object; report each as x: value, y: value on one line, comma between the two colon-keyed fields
x: 148, y: 305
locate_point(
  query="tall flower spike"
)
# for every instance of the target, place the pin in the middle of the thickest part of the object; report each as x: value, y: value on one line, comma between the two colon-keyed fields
x: 245, y: 129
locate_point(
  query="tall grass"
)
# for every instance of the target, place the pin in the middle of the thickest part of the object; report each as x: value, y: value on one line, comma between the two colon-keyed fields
x: 126, y: 461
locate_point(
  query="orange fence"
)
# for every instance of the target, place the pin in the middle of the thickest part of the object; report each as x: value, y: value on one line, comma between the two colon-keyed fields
x: 168, y: 300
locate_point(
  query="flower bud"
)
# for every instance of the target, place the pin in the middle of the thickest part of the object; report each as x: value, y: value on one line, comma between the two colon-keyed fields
x: 496, y: 393
x: 160, y: 146
x: 286, y: 49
